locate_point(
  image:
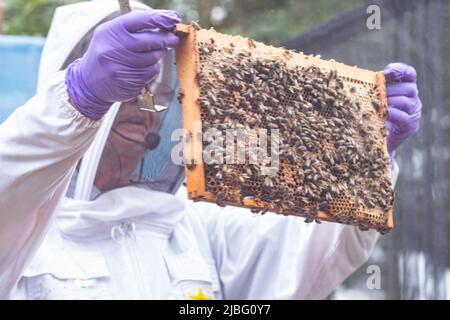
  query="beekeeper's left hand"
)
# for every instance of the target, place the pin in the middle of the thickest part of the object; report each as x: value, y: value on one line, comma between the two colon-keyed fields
x: 404, y: 104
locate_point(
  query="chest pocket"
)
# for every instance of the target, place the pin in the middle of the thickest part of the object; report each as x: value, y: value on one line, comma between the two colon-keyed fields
x: 193, y: 277
x: 78, y: 276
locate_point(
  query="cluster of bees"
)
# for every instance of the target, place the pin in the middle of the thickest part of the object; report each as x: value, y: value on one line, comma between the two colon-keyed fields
x: 327, y: 150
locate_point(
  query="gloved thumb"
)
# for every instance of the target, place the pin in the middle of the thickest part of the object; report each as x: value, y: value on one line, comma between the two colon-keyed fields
x: 147, y: 20
x: 399, y: 71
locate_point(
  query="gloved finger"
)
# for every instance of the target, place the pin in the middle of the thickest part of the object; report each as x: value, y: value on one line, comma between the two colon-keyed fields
x: 146, y: 20
x: 403, y: 103
x: 142, y: 59
x: 400, y: 72
x: 408, y: 89
x: 147, y: 41
x: 151, y: 72
x: 141, y: 76
x: 129, y: 90
x: 402, y: 122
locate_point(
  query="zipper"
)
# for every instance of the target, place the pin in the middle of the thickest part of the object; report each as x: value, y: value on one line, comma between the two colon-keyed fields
x: 125, y: 233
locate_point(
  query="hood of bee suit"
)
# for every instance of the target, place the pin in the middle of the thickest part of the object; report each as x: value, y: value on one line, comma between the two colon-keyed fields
x: 68, y: 38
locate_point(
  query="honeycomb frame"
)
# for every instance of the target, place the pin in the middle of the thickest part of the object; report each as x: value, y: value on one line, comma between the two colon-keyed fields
x: 188, y: 64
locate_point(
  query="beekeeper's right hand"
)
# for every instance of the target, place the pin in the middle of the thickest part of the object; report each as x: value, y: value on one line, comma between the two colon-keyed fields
x: 122, y: 57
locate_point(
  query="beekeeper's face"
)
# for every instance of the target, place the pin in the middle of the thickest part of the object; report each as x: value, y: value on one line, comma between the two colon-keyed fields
x: 125, y: 146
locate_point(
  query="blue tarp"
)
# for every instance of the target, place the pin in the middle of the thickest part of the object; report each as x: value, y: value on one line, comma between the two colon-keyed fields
x: 19, y: 66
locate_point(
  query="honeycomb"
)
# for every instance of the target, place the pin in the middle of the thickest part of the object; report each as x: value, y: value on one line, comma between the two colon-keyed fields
x: 318, y: 124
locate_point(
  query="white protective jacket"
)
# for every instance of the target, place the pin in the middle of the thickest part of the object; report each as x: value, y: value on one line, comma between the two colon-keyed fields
x: 133, y: 243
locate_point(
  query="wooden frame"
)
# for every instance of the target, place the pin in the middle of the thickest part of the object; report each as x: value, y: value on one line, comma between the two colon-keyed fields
x: 187, y: 69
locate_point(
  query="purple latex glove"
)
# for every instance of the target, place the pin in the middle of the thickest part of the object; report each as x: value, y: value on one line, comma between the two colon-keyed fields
x: 404, y: 104
x: 122, y: 57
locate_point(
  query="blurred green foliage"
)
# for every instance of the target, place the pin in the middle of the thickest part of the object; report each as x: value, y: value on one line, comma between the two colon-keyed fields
x: 30, y: 17
x: 270, y: 21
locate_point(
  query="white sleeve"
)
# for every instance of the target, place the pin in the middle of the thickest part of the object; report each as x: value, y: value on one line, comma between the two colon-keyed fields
x: 40, y: 143
x: 277, y: 257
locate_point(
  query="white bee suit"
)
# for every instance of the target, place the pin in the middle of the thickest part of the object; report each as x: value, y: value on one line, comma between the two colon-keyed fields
x: 135, y: 243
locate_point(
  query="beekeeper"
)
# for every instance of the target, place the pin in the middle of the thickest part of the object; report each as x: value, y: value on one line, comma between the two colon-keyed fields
x: 110, y: 226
